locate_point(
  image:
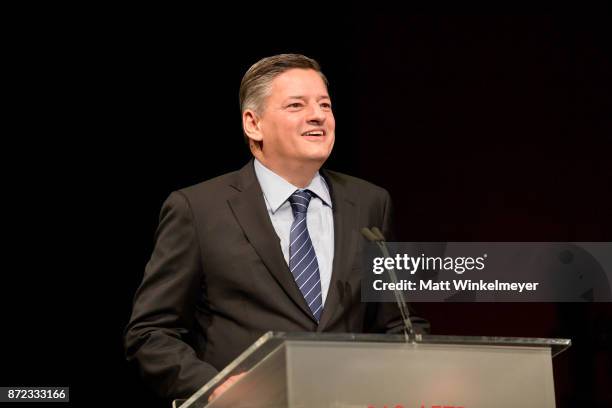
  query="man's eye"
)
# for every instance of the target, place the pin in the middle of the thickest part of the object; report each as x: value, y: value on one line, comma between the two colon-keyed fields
x: 326, y: 105
x: 295, y: 105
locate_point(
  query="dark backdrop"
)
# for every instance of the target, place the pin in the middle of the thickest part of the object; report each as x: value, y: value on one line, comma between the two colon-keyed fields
x: 483, y: 128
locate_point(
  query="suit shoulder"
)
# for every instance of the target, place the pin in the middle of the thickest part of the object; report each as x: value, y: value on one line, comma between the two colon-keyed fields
x: 211, y: 192
x: 216, y: 185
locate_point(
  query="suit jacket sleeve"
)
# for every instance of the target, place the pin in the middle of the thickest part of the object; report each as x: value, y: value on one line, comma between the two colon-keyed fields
x: 388, y: 317
x: 158, y: 335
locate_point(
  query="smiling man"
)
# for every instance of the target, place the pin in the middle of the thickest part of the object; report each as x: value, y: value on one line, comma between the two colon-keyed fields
x: 291, y: 133
x: 273, y: 246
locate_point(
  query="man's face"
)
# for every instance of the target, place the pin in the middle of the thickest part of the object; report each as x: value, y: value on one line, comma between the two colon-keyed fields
x: 297, y: 123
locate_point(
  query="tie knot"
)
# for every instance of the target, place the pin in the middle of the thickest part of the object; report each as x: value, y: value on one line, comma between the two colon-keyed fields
x: 299, y: 201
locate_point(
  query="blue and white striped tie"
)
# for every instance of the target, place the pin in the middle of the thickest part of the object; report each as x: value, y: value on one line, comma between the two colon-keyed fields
x: 302, y: 258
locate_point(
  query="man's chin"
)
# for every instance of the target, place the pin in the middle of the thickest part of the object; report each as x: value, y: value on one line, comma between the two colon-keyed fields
x: 320, y: 154
x: 316, y: 158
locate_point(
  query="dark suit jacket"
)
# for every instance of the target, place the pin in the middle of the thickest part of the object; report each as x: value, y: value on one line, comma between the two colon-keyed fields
x: 217, y: 279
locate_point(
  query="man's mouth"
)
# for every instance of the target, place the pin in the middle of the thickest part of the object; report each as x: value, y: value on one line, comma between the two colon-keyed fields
x: 318, y: 132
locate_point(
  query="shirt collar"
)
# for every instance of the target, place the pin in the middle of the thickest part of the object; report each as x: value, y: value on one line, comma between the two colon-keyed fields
x: 277, y: 190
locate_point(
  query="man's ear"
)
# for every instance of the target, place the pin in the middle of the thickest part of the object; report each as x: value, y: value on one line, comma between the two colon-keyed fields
x: 252, y: 126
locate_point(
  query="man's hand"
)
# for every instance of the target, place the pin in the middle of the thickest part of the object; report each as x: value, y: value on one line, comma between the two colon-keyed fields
x: 226, y: 384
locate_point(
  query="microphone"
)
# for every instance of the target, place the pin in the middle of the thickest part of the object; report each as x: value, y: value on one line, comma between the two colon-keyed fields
x: 374, y: 235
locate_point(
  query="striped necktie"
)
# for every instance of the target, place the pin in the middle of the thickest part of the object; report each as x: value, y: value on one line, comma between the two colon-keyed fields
x: 302, y: 258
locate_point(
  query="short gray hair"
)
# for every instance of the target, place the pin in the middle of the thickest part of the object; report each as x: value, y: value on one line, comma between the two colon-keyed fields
x: 256, y: 83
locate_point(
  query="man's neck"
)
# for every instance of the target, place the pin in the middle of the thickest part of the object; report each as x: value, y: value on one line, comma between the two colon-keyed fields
x: 298, y: 174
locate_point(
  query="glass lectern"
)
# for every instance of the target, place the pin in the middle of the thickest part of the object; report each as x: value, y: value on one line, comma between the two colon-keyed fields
x: 292, y: 370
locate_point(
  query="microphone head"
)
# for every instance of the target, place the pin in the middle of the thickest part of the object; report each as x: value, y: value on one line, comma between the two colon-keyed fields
x: 378, y: 234
x: 368, y: 234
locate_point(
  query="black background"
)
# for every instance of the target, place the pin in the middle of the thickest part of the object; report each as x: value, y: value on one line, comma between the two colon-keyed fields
x: 483, y: 128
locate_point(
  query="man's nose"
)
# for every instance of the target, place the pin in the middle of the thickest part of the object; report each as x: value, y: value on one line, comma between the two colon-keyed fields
x: 315, y: 114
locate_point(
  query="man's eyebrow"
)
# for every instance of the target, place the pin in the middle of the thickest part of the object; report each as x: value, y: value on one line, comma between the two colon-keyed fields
x: 304, y: 98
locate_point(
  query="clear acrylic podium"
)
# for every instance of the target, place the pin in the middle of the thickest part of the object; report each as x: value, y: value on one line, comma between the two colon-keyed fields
x: 292, y: 370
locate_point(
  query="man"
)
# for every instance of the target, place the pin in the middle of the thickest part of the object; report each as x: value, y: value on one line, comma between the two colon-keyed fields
x: 273, y: 246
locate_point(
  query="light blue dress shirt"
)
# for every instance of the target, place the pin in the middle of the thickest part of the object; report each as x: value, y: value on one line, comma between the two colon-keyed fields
x: 320, y: 219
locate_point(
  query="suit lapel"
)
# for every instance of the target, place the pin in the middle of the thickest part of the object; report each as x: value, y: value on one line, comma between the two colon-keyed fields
x: 249, y: 208
x: 345, y: 215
